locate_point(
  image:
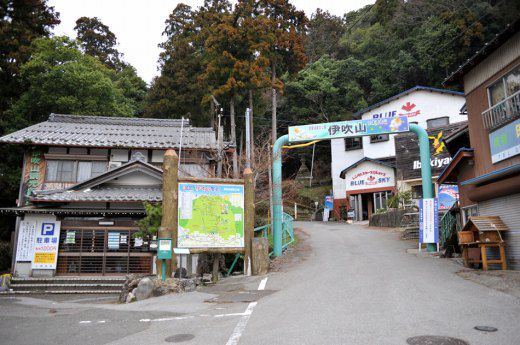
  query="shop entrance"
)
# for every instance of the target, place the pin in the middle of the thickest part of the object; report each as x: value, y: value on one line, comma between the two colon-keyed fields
x: 97, y: 250
x: 365, y: 204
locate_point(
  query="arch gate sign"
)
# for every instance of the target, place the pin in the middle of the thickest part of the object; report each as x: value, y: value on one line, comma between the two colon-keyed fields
x: 344, y: 129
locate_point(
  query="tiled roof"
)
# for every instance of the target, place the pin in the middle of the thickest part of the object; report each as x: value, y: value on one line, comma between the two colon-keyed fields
x: 101, y: 131
x: 103, y: 194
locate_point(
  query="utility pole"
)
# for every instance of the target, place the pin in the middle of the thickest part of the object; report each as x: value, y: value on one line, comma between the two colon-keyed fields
x: 220, y: 145
x: 180, y: 145
x: 312, y: 164
x: 233, y: 136
x: 251, y: 129
x: 248, y: 140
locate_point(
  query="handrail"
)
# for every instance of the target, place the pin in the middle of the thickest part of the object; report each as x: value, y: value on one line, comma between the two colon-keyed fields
x: 503, y: 112
x: 287, y: 231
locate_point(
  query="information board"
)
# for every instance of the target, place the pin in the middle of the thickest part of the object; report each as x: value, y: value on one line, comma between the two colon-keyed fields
x: 26, y: 238
x: 210, y: 215
x: 346, y: 129
x: 429, y: 220
x: 46, y: 245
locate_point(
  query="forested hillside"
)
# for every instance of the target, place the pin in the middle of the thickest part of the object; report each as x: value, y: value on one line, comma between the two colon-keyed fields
x: 266, y: 54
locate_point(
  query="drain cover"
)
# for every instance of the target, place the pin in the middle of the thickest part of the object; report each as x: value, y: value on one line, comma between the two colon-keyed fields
x: 179, y: 338
x: 486, y: 328
x: 435, y: 340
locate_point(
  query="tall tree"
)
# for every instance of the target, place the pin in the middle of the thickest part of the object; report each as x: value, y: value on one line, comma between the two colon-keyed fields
x: 21, y: 21
x: 178, y: 91
x: 59, y: 78
x: 97, y: 40
x: 323, y: 35
x: 286, y: 52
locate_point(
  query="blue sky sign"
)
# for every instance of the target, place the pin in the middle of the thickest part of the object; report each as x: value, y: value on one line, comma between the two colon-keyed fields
x: 345, y: 129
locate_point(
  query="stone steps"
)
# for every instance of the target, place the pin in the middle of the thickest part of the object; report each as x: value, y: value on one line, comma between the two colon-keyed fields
x: 67, y: 285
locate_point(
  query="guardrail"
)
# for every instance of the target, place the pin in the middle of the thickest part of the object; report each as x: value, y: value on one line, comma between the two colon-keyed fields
x: 287, y: 231
x: 502, y: 112
x: 265, y: 231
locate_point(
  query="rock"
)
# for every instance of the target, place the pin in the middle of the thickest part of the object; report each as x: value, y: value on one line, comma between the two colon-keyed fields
x: 188, y: 285
x: 180, y: 271
x: 260, y: 256
x: 130, y: 298
x: 144, y: 289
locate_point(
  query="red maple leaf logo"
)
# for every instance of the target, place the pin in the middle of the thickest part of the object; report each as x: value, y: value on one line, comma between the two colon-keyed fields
x: 371, y: 178
x: 408, y: 106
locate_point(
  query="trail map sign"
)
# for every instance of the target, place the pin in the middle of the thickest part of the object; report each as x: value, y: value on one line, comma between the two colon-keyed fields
x: 344, y: 129
x: 210, y: 215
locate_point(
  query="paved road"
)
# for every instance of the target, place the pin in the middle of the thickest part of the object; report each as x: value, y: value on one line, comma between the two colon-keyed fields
x: 355, y: 286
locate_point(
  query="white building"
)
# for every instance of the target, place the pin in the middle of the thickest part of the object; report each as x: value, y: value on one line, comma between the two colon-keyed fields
x: 362, y: 168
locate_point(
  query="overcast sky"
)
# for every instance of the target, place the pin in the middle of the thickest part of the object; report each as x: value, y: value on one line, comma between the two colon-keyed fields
x: 138, y: 24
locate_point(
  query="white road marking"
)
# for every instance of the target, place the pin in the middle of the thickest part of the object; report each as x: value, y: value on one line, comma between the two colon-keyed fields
x: 242, y: 323
x: 262, y: 284
x: 101, y: 321
x: 85, y: 321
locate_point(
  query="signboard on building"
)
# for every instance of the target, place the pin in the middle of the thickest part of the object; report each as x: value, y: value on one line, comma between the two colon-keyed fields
x: 408, y: 162
x: 408, y: 109
x: 26, y: 238
x: 448, y: 195
x: 210, y: 215
x: 505, y: 142
x: 369, y: 175
x: 428, y: 220
x: 346, y: 129
x: 46, y: 245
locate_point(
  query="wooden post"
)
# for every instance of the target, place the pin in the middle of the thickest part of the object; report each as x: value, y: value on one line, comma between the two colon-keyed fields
x: 249, y: 215
x: 169, y: 206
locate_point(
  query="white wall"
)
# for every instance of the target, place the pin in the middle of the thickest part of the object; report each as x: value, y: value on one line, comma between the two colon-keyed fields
x: 430, y: 105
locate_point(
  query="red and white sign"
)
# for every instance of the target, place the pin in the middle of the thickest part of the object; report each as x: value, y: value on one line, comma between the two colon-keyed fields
x: 409, y: 110
x: 369, y: 175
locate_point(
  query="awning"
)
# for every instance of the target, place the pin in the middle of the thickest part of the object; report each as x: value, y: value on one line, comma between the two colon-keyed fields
x: 493, y: 176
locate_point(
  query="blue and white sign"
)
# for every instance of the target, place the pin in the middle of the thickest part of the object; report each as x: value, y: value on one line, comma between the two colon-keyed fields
x: 46, y: 243
x: 429, y: 220
x: 505, y: 142
x: 329, y: 202
x: 346, y: 129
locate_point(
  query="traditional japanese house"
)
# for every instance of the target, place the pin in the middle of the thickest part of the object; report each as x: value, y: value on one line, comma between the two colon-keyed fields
x: 84, y: 182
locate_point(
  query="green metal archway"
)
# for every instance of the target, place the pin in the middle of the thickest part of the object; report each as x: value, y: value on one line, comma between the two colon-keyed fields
x: 426, y: 175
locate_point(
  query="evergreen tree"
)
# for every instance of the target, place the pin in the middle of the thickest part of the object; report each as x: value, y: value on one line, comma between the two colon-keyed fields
x: 97, y: 40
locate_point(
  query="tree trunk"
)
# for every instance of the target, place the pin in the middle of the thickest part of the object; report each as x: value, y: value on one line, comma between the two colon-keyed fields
x: 233, y: 135
x: 273, y: 103
x: 251, y: 130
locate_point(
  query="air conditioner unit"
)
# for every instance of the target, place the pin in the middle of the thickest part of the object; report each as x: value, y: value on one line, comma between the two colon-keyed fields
x: 113, y: 165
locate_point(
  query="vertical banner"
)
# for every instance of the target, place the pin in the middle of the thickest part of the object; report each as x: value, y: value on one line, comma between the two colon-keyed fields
x: 46, y: 245
x: 429, y: 220
x: 329, y: 202
x: 26, y: 238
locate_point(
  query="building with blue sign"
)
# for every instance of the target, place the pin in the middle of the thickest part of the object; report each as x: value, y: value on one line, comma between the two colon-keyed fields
x: 364, y: 170
x: 486, y: 163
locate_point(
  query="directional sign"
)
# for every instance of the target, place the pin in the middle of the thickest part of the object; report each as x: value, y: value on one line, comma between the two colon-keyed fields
x: 344, y: 129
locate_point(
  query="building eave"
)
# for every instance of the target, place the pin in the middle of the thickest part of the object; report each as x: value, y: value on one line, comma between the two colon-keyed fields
x: 446, y: 175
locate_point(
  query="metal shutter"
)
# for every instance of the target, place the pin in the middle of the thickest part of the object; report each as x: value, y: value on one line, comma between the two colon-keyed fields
x: 508, y: 208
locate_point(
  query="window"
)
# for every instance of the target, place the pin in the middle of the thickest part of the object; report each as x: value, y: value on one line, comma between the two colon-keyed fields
x: 417, y: 191
x: 467, y: 212
x: 379, y: 138
x: 438, y: 122
x: 355, y: 143
x: 505, y: 87
x: 73, y: 171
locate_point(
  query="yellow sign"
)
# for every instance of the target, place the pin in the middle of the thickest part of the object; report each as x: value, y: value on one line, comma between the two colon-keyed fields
x: 44, y: 258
